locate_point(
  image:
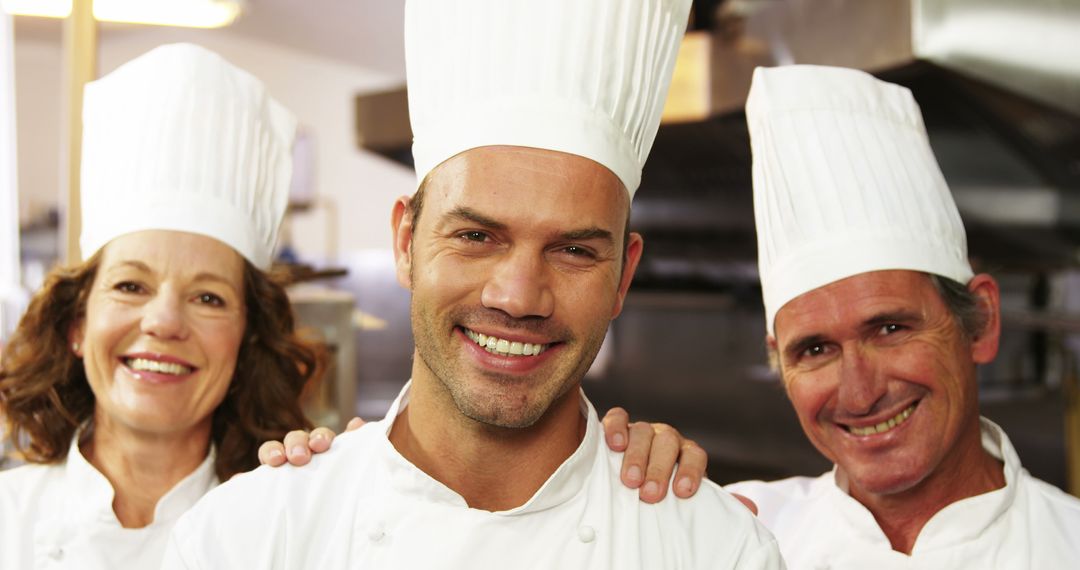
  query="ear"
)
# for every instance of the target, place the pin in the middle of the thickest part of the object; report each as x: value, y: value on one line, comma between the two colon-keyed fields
x: 772, y: 354
x: 75, y: 336
x: 984, y: 346
x: 401, y: 223
x: 633, y: 256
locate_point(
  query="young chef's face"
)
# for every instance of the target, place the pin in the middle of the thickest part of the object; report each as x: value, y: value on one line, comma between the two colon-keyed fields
x: 883, y: 379
x: 163, y: 326
x: 516, y: 269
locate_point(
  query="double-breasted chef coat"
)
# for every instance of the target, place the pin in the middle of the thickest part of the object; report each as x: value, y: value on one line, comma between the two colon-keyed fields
x: 362, y: 505
x: 61, y: 516
x: 1026, y: 524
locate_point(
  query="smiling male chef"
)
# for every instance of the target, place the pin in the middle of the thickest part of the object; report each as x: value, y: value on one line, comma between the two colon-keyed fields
x: 531, y: 122
x: 877, y: 324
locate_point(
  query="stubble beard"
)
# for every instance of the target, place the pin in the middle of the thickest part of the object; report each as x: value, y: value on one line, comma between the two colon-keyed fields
x: 506, y: 406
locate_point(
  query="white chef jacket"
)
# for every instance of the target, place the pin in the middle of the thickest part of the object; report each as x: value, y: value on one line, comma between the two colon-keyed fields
x: 1026, y: 524
x: 61, y: 516
x: 363, y: 505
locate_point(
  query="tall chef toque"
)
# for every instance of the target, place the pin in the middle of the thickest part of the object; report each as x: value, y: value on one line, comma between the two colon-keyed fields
x: 179, y: 139
x: 585, y: 77
x: 845, y: 183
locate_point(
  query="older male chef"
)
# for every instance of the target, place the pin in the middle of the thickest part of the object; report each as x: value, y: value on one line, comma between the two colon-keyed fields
x: 877, y: 324
x: 532, y: 120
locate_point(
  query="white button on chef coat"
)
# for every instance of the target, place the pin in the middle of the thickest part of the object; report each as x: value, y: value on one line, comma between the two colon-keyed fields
x: 1026, y: 524
x: 363, y: 505
x: 61, y: 516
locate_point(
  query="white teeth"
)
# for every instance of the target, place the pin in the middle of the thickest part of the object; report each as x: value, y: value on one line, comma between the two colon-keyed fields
x: 505, y: 347
x: 884, y: 426
x: 144, y: 365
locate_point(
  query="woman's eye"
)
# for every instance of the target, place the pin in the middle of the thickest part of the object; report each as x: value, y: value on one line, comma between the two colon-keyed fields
x: 211, y: 299
x: 128, y: 287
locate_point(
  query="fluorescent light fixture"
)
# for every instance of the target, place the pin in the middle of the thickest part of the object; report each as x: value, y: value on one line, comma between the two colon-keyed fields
x: 184, y: 13
x: 44, y: 8
x: 188, y: 13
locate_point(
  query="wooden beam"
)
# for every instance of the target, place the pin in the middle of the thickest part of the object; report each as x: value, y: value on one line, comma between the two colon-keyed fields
x: 1071, y: 389
x: 80, y: 67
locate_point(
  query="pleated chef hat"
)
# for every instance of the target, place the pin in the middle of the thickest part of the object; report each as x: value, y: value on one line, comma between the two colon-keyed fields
x: 179, y: 139
x: 586, y: 77
x: 845, y: 183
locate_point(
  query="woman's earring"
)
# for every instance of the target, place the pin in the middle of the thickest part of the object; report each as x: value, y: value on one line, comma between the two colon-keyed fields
x: 75, y: 348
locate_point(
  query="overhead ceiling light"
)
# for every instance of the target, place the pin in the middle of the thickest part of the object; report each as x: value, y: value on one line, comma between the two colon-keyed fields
x: 44, y: 8
x: 185, y: 13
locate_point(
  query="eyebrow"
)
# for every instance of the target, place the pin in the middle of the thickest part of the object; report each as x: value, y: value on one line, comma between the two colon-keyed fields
x: 583, y: 234
x: 804, y: 342
x: 901, y: 316
x: 470, y: 215
x: 132, y: 264
x: 204, y: 276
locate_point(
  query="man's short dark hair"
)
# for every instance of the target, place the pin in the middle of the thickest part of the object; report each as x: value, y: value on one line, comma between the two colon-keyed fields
x: 963, y: 305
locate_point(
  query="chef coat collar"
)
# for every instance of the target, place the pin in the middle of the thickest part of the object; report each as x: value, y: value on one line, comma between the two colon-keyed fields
x: 962, y: 521
x: 92, y: 494
x: 566, y: 482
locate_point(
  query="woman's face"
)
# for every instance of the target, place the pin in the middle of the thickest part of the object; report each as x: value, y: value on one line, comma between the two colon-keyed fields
x: 163, y: 327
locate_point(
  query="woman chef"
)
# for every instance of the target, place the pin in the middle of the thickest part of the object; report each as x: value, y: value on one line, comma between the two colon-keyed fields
x: 148, y: 373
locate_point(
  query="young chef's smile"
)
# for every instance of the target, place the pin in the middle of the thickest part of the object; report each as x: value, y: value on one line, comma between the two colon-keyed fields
x: 504, y: 347
x: 524, y: 295
x: 508, y: 353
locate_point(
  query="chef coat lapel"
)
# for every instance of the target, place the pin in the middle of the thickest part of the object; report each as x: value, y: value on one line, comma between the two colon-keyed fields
x: 862, y: 525
x: 405, y: 477
x: 960, y: 522
x: 966, y: 520
x: 89, y: 502
x: 79, y: 534
x: 570, y: 477
x: 188, y: 491
x: 566, y: 482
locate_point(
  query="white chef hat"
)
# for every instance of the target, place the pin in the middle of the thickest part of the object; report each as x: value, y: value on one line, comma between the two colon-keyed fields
x: 845, y: 183
x: 179, y: 139
x: 586, y: 77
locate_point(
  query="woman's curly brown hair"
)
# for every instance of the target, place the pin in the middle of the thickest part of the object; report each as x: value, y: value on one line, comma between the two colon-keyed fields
x: 45, y: 397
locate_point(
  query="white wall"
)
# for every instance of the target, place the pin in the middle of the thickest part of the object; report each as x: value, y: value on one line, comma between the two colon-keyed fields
x: 38, y: 118
x: 12, y: 296
x: 355, y: 189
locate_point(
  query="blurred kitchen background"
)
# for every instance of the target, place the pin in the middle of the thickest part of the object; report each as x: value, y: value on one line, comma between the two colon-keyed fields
x: 998, y: 82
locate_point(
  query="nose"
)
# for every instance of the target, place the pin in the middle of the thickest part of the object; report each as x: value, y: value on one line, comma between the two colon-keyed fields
x: 862, y: 384
x: 519, y: 286
x: 163, y: 317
